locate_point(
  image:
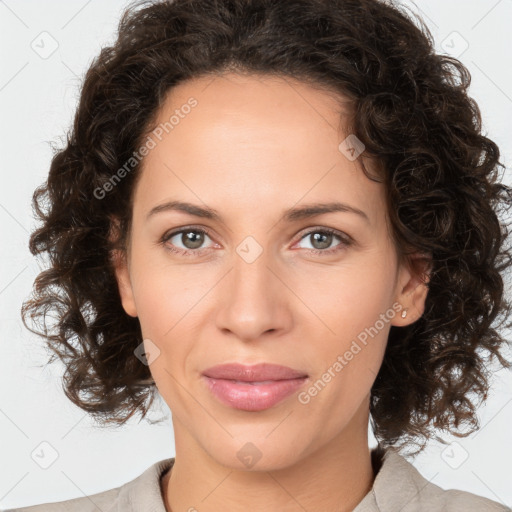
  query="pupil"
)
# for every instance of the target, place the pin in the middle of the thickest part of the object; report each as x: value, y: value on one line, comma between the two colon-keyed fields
x: 327, y: 238
x: 192, y: 239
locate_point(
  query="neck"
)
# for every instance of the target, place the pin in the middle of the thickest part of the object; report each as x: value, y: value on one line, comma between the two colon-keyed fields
x: 333, y: 478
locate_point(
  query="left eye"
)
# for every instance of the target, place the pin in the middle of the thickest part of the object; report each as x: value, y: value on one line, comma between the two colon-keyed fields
x: 321, y: 240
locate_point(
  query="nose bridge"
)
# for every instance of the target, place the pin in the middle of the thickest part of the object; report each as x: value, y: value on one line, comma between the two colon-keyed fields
x: 251, y: 274
x: 254, y: 299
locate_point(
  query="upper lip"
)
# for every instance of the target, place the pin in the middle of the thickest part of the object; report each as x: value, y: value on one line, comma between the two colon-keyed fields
x: 253, y: 373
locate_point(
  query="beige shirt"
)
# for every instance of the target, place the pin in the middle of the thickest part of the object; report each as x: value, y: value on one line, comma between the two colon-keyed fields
x: 398, y: 487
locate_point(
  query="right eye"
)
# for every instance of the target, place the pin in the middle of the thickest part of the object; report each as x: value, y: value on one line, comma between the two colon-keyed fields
x: 190, y: 238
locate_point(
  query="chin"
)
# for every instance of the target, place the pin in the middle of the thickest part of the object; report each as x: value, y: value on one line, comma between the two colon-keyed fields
x: 256, y: 453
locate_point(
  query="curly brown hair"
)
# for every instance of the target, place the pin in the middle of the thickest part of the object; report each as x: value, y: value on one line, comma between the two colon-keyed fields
x: 411, y: 110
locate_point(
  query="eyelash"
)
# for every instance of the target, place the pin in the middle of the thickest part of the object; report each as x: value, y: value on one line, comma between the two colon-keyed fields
x: 346, y: 241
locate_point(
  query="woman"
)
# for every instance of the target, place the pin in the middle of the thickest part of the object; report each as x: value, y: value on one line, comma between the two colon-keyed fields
x: 284, y: 218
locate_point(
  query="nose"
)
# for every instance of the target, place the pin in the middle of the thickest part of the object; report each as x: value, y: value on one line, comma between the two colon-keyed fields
x: 254, y: 300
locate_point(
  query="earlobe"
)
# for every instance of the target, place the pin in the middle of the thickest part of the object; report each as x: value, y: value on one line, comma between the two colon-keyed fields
x: 413, y: 289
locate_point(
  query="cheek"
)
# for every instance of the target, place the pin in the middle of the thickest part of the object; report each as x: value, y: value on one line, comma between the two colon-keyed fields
x: 352, y: 297
x: 170, y: 302
x: 355, y: 304
x: 346, y: 367
x: 165, y: 307
x: 164, y: 292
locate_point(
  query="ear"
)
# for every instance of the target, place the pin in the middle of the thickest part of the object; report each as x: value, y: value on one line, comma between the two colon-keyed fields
x: 412, y: 288
x: 120, y: 264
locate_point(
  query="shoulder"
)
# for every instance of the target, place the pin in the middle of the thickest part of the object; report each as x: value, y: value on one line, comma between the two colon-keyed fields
x: 144, y: 489
x: 456, y: 500
x: 100, y: 501
x: 400, y: 486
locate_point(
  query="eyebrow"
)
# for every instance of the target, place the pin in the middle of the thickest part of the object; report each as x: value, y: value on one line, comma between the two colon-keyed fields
x: 290, y: 215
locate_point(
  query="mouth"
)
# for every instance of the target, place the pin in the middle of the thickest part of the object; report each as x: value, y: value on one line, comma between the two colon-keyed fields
x: 253, y: 388
x: 253, y: 373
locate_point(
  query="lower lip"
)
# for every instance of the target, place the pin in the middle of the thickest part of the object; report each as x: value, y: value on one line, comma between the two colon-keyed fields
x: 253, y: 397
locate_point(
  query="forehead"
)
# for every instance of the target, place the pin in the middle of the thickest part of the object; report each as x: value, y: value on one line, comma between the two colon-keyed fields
x: 272, y: 139
x: 257, y: 101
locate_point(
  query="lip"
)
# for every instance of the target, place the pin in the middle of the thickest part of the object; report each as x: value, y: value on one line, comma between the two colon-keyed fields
x: 253, y: 387
x: 253, y: 373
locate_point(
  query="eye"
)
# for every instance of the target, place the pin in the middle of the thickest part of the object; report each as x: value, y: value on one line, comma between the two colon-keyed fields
x: 322, y: 239
x: 191, y: 240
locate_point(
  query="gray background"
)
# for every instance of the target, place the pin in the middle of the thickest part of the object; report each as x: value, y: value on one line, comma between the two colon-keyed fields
x: 45, y: 49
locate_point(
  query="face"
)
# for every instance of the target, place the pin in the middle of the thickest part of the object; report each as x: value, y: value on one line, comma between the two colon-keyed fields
x: 256, y: 270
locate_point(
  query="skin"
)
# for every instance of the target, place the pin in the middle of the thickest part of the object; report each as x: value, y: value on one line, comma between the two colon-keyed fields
x: 253, y: 147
